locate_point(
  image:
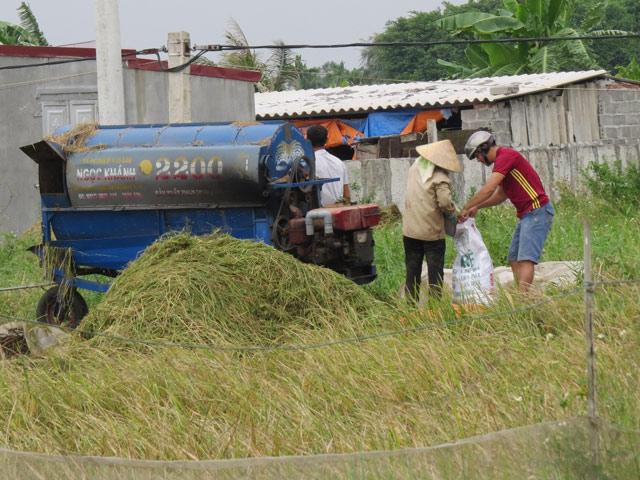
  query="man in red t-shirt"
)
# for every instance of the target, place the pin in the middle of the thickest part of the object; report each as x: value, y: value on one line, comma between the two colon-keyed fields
x: 514, y: 178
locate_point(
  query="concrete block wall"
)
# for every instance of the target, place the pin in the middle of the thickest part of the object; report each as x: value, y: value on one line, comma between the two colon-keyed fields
x: 619, y: 112
x: 383, y: 181
x: 495, y: 117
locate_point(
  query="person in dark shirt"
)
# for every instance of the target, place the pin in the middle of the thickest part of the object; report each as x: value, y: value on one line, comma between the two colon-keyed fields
x: 514, y: 178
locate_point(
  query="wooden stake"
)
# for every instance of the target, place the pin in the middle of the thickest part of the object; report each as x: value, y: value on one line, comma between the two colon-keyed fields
x: 592, y: 401
x: 432, y: 131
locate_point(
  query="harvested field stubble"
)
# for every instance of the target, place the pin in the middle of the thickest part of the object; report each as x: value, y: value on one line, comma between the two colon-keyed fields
x: 220, y: 290
x: 396, y: 389
x: 414, y: 389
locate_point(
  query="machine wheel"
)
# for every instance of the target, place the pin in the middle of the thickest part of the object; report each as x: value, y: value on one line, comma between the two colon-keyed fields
x: 281, y: 233
x: 51, y: 312
x: 299, y: 166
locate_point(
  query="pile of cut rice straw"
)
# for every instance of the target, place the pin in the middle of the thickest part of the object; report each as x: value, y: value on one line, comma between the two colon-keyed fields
x: 218, y: 290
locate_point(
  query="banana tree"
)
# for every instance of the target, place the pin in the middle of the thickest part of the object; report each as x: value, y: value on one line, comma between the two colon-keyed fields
x: 523, y: 19
x: 27, y: 33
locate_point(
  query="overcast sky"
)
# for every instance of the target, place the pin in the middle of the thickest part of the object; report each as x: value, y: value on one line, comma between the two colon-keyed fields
x: 145, y: 24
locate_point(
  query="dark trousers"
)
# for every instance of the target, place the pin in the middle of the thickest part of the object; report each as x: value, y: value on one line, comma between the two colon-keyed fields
x: 415, y: 251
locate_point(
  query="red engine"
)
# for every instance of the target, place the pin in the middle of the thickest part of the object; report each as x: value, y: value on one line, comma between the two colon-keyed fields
x: 339, y: 238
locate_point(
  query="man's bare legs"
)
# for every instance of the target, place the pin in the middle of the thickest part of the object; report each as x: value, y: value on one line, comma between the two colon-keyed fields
x: 523, y: 273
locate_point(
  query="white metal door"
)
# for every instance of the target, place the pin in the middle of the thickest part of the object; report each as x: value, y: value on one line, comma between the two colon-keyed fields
x: 54, y: 116
x: 82, y: 112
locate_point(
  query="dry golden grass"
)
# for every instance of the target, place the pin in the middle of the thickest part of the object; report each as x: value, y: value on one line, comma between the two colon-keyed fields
x: 75, y: 140
x: 418, y: 387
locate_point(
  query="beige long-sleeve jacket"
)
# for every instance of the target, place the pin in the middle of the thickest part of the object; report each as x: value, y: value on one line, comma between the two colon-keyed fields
x: 425, y: 205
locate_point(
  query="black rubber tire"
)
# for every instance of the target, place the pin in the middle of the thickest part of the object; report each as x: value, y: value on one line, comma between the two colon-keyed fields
x: 48, y: 310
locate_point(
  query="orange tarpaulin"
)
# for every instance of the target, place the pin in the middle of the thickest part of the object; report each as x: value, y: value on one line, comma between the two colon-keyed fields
x: 419, y: 122
x: 337, y: 131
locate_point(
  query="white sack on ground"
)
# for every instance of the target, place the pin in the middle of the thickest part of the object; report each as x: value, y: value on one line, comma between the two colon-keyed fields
x: 22, y: 338
x: 547, y: 273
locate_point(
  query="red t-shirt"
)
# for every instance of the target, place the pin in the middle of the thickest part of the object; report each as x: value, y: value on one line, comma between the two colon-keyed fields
x: 521, y: 182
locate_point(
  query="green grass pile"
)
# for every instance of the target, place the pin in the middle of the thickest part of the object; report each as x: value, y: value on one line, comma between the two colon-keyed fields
x: 217, y: 289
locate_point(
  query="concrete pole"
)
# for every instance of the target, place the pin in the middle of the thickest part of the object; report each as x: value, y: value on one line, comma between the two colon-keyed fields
x: 109, y: 63
x: 179, y: 46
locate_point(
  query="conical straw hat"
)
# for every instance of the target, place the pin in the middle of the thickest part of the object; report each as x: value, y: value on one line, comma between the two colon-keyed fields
x: 441, y: 154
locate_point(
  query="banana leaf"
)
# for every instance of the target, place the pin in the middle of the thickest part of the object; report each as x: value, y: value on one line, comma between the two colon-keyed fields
x: 461, y: 21
x: 500, y: 54
x: 511, y: 5
x: 477, y: 55
x: 555, y: 10
x: 11, y: 34
x: 594, y: 16
x: 497, y: 24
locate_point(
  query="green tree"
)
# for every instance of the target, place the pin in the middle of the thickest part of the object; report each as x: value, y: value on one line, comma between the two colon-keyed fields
x: 281, y: 69
x: 417, y: 63
x: 630, y: 72
x: 618, y: 15
x: 528, y: 19
x: 331, y: 74
x: 278, y: 72
x: 27, y: 33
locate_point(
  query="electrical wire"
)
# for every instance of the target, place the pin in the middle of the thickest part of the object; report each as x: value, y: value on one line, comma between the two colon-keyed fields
x: 181, y: 67
x: 148, y: 51
x: 218, y: 48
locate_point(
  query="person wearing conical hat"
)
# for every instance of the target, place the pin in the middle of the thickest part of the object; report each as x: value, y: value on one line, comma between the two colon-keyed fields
x: 427, y: 202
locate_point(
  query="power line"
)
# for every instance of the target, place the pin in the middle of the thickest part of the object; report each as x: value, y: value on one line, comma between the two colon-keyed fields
x: 220, y: 48
x: 148, y: 51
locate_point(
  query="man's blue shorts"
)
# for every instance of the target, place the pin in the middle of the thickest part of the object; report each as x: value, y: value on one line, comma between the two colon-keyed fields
x: 531, y: 232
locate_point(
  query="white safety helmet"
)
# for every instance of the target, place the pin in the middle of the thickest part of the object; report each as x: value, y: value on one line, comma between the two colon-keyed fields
x: 476, y: 141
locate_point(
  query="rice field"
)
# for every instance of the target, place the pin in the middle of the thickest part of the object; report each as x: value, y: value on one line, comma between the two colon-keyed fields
x: 215, y: 348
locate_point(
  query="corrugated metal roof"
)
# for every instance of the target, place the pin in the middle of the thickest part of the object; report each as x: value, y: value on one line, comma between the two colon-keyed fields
x: 443, y: 93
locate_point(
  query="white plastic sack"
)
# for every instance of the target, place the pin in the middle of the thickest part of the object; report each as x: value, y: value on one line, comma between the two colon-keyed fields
x: 472, y: 279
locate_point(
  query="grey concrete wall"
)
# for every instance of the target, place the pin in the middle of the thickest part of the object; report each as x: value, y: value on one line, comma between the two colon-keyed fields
x: 221, y: 100
x: 618, y: 112
x: 22, y: 92
x: 383, y: 181
x: 495, y: 117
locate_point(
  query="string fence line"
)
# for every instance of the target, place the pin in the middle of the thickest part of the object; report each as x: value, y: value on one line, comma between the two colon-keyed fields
x: 389, y: 333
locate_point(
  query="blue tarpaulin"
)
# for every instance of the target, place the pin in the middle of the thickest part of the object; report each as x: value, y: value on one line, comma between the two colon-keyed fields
x: 379, y: 124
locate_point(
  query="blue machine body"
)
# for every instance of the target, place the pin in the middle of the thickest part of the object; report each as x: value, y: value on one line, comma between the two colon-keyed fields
x: 132, y: 184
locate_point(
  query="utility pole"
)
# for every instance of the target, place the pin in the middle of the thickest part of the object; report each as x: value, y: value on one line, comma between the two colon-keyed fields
x: 109, y: 63
x: 179, y: 46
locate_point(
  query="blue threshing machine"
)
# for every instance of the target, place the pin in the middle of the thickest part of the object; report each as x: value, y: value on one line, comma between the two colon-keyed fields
x: 108, y: 199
